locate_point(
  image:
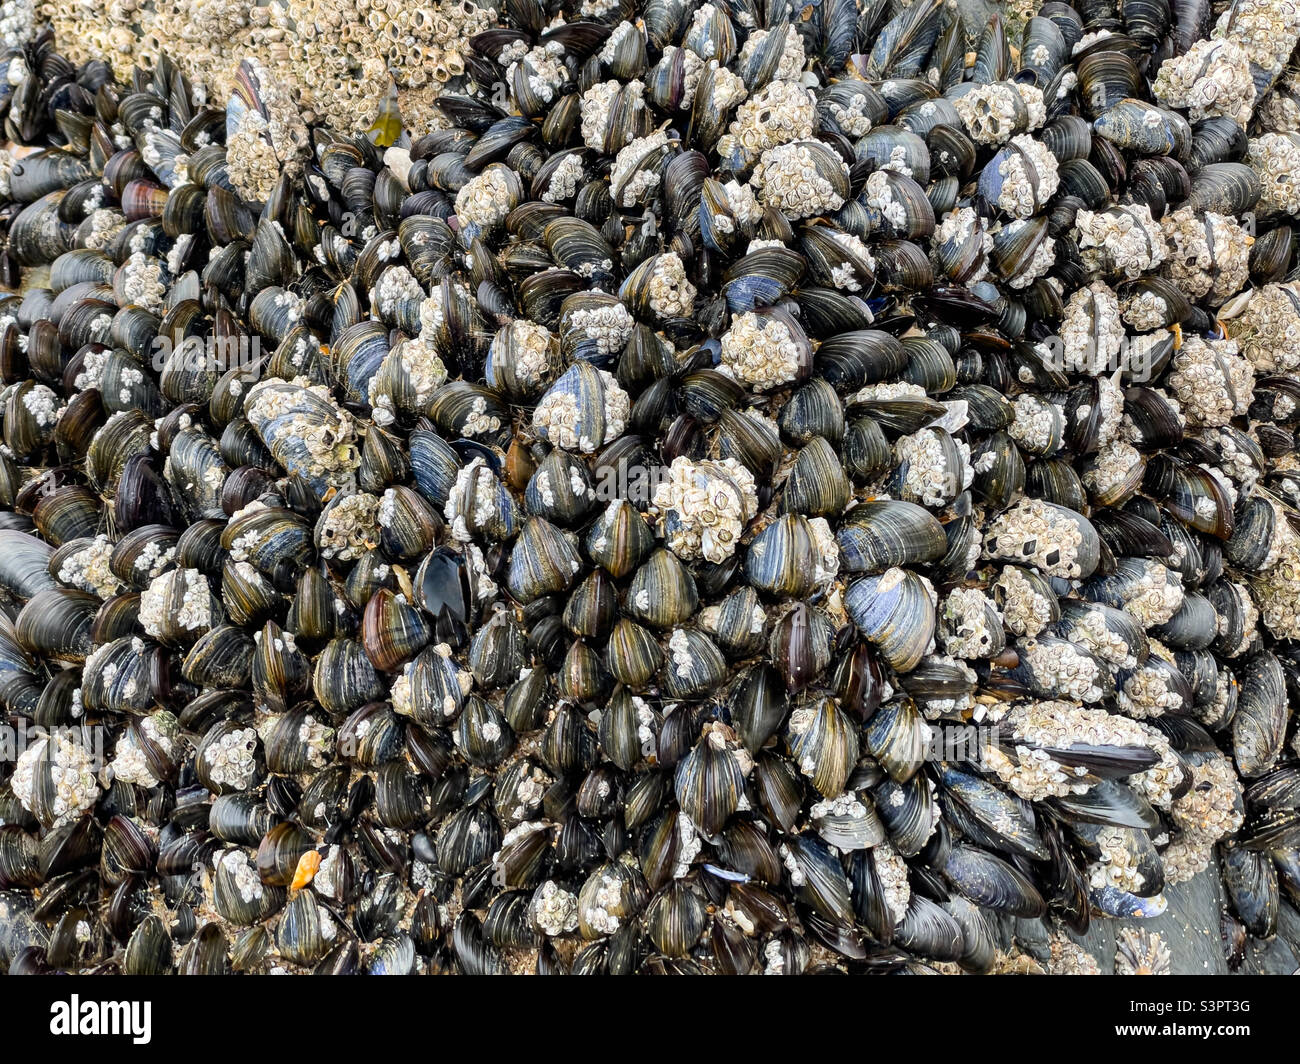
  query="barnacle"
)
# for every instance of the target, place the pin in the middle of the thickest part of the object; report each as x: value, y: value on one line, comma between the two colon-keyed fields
x: 760, y: 351
x: 1091, y: 330
x: 787, y: 179
x: 1275, y: 157
x: 1212, y: 382
x: 1210, y: 79
x: 1124, y: 242
x: 704, y: 507
x: 992, y: 113
x: 779, y: 113
x: 1208, y: 255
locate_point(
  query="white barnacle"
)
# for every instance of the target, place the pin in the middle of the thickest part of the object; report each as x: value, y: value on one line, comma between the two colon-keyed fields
x: 787, y: 179
x: 72, y: 777
x: 1092, y: 331
x: 1211, y: 79
x: 992, y: 113
x: 1121, y: 241
x: 704, y: 506
x: 1209, y: 254
x: 1211, y: 380
x: 670, y: 292
x: 761, y: 351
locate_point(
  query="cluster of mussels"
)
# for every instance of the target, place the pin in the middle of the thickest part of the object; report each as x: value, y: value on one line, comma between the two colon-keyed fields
x: 583, y: 536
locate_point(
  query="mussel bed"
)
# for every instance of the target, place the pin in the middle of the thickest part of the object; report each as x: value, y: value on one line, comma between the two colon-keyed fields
x: 718, y: 487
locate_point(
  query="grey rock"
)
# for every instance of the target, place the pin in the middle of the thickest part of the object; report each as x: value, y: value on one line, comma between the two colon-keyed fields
x: 1190, y: 928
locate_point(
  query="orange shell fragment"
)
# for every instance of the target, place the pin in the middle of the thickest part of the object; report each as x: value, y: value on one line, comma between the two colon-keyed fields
x: 308, y: 864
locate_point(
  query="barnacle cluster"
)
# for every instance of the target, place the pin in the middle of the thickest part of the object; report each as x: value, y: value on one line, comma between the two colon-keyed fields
x: 337, y: 61
x: 760, y: 351
x: 1092, y: 333
x: 789, y: 179
x: 1209, y: 253
x: 781, y: 112
x: 1211, y: 381
x: 1030, y: 176
x: 1121, y: 242
x: 646, y: 487
x: 1140, y: 952
x: 1211, y: 79
x: 992, y: 113
x: 1268, y: 328
x: 1274, y: 158
x: 705, y: 506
